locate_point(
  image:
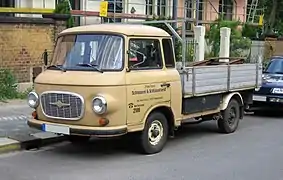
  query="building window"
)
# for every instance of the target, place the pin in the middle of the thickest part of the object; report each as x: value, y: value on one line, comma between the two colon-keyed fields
x: 226, y: 9
x: 7, y: 3
x: 149, y: 7
x: 76, y: 5
x: 189, y: 13
x: 200, y: 12
x: 114, y: 7
x: 161, y: 7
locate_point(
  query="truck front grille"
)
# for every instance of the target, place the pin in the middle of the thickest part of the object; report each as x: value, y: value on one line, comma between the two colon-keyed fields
x: 62, y: 105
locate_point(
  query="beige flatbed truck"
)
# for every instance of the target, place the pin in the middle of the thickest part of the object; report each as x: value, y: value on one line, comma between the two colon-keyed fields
x: 110, y: 80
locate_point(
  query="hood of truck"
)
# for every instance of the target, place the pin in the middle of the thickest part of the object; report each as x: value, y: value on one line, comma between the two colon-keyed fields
x: 56, y: 86
x: 80, y: 78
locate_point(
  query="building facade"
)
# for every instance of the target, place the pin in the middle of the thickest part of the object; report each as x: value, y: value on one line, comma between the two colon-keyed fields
x: 208, y: 9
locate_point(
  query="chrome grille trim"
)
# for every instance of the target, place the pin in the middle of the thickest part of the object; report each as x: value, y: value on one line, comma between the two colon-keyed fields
x: 61, y: 112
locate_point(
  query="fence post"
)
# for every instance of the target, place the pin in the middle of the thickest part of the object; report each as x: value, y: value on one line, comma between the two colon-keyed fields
x: 224, y: 43
x: 199, y: 37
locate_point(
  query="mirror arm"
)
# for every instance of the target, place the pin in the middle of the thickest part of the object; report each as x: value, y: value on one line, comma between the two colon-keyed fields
x: 45, y: 57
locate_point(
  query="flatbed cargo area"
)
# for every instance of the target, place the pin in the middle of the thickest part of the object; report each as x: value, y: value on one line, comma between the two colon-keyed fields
x: 215, y: 79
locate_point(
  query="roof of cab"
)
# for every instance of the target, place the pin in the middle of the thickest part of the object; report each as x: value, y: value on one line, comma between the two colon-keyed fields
x: 126, y: 29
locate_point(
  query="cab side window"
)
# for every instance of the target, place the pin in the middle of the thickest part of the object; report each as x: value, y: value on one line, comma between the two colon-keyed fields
x: 144, y: 54
x: 168, y: 53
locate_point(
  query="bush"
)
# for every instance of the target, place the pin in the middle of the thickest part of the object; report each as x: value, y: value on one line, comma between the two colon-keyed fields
x: 239, y: 45
x: 251, y: 31
x: 8, y: 86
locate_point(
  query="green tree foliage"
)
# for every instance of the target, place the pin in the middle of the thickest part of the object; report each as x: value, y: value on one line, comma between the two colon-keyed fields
x: 63, y: 8
x: 238, y: 43
x: 251, y: 31
x: 273, y: 16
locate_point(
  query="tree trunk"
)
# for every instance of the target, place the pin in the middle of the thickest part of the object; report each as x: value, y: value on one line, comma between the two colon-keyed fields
x: 272, y: 16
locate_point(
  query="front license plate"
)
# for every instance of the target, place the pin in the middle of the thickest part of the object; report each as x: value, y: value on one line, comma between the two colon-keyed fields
x: 56, y: 129
x: 277, y: 91
x: 259, y: 98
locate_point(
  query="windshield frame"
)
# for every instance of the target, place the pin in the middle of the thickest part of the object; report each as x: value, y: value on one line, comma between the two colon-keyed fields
x: 53, y: 60
x: 272, y: 61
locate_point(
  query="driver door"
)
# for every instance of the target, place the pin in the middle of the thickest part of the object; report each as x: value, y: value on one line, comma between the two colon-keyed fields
x: 147, y: 80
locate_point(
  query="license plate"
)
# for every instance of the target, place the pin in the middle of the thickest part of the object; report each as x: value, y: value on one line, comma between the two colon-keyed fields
x: 56, y: 129
x: 259, y: 98
x: 277, y: 90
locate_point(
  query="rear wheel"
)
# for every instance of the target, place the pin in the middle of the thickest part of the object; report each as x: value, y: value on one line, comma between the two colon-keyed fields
x: 154, y: 136
x: 231, y: 117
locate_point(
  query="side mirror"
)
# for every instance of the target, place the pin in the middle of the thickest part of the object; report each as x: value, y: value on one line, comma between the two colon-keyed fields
x: 45, y: 57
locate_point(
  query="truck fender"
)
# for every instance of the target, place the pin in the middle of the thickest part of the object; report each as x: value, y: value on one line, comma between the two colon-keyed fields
x: 156, y: 107
x: 226, y: 99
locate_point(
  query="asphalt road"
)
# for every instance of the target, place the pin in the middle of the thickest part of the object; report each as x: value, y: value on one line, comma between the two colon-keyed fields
x: 13, y: 120
x: 198, y: 152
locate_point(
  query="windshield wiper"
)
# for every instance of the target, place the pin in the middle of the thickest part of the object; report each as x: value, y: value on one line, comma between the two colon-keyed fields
x: 278, y: 72
x: 56, y: 66
x: 90, y: 65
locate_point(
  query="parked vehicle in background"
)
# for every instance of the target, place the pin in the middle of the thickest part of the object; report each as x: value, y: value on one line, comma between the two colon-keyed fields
x: 270, y: 94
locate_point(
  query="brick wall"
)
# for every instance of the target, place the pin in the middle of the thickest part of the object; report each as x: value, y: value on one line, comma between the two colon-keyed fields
x: 22, y: 42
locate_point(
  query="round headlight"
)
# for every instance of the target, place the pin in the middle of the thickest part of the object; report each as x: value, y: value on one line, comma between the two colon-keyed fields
x: 99, y: 105
x: 33, y: 100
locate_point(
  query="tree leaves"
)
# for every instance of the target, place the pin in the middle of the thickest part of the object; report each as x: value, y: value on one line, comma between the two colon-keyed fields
x: 273, y: 16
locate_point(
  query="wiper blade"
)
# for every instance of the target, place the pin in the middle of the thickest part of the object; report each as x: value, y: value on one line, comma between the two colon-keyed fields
x: 278, y: 72
x: 56, y: 66
x: 90, y: 65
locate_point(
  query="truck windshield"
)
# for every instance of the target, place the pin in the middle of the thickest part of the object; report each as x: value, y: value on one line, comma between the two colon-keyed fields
x: 88, y: 52
x: 275, y: 66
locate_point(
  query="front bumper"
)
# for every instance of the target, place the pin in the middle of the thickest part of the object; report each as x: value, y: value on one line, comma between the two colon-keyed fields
x: 76, y: 129
x: 269, y: 101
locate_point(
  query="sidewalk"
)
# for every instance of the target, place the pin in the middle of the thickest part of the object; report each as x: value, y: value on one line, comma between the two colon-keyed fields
x: 14, y: 131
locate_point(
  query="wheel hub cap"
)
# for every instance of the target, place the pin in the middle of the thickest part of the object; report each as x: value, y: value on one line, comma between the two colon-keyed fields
x: 155, y: 132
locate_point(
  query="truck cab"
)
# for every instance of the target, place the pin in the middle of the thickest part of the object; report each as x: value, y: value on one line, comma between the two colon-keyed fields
x: 110, y: 80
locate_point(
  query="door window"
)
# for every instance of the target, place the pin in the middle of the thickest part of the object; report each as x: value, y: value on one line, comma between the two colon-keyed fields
x: 144, y: 54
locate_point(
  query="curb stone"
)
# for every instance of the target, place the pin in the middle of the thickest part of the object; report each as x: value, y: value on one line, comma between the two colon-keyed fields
x: 27, y: 142
x: 8, y: 145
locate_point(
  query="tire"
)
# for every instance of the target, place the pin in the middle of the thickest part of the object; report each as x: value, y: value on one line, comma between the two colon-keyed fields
x: 78, y: 139
x: 231, y: 118
x: 148, y: 143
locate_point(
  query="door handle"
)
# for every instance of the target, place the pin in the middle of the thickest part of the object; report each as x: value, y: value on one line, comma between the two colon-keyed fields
x: 165, y: 84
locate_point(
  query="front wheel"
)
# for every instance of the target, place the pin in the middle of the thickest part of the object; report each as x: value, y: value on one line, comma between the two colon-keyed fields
x: 231, y: 117
x: 154, y: 136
